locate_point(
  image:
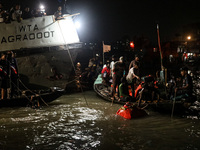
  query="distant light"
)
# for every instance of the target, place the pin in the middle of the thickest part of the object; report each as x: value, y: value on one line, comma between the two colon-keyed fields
x: 132, y: 45
x: 77, y: 24
x: 42, y: 8
x: 189, y: 37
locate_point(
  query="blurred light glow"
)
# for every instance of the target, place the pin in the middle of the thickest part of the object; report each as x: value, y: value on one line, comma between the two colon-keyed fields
x: 189, y: 37
x: 42, y: 8
x: 77, y: 24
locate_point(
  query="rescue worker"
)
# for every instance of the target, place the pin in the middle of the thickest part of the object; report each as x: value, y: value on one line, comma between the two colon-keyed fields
x: 105, y: 73
x: 112, y: 65
x: 132, y: 78
x: 123, y: 90
x: 118, y: 73
x: 13, y: 72
x: 185, y: 90
x: 135, y: 62
x: 4, y: 75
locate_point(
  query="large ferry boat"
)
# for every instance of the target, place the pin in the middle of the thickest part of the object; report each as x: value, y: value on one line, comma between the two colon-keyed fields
x: 42, y: 46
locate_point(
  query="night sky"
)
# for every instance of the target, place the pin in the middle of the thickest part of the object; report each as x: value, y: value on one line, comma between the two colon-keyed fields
x: 110, y: 20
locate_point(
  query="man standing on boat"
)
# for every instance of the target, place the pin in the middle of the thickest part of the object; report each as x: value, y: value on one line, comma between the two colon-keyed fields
x: 105, y: 73
x: 134, y: 74
x: 4, y: 75
x: 185, y: 91
x: 118, y: 73
x: 13, y: 73
x: 112, y: 65
x: 132, y: 78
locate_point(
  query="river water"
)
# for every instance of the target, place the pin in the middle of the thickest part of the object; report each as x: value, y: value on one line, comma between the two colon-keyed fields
x: 68, y: 123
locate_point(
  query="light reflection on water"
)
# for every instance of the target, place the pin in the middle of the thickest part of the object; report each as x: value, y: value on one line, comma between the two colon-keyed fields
x: 69, y: 124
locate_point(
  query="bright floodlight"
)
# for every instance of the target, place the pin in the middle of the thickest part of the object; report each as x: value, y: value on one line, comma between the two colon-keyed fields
x: 42, y: 7
x: 77, y: 24
x: 189, y: 37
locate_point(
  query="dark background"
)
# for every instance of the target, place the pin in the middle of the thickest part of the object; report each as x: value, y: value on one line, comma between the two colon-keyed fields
x: 112, y: 19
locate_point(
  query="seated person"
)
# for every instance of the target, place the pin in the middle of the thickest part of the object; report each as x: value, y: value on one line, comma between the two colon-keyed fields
x: 123, y: 90
x: 105, y: 73
x: 185, y: 90
x: 35, y: 101
x: 56, y: 75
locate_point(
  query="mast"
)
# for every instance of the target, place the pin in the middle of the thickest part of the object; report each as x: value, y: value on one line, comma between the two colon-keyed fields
x: 159, y: 45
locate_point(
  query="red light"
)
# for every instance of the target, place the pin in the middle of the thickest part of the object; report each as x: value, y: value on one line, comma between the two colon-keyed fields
x: 132, y: 45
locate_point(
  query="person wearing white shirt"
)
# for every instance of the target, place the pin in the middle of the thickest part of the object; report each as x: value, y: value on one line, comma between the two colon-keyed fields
x: 131, y: 79
x: 112, y: 65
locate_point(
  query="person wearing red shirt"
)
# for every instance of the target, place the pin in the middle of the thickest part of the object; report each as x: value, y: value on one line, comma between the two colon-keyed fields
x: 105, y: 73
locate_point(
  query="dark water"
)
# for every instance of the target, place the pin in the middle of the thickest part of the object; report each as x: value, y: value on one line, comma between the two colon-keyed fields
x: 69, y: 124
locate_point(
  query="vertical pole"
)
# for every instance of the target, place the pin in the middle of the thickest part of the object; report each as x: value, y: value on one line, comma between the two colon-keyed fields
x: 161, y: 57
x: 103, y: 53
x: 65, y: 9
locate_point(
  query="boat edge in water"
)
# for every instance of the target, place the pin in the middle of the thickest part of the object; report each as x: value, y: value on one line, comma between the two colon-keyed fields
x: 23, y: 101
x: 162, y: 106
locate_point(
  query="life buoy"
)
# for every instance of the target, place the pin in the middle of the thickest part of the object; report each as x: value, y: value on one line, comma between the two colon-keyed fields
x: 125, y: 111
x: 129, y: 111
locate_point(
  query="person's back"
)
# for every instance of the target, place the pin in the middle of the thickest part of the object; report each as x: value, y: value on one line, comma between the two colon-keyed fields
x: 119, y: 68
x: 187, y: 80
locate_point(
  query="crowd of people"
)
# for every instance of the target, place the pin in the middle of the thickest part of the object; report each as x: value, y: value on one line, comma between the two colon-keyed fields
x: 116, y: 74
x: 9, y: 75
x: 15, y: 13
x: 122, y: 78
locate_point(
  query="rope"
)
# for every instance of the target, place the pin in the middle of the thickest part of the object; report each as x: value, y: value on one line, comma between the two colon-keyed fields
x: 33, y: 93
x: 78, y: 78
x: 74, y: 67
x: 20, y: 91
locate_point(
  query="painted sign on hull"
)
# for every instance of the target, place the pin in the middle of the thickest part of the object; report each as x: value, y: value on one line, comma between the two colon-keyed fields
x: 37, y: 32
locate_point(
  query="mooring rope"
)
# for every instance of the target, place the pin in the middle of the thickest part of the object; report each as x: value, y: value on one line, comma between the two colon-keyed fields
x: 21, y: 91
x: 74, y: 67
x: 33, y: 92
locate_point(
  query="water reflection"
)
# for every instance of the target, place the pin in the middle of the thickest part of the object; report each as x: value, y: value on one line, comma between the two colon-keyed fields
x: 69, y: 124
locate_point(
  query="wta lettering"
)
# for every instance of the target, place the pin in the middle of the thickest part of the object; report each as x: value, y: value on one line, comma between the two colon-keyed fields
x: 28, y: 27
x: 22, y: 28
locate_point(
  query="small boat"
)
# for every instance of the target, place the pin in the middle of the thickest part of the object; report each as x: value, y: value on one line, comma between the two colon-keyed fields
x: 103, y: 91
x: 45, y: 97
x: 163, y: 106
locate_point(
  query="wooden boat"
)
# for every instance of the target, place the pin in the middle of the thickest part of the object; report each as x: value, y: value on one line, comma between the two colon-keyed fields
x: 164, y: 106
x: 45, y: 97
x: 103, y: 91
